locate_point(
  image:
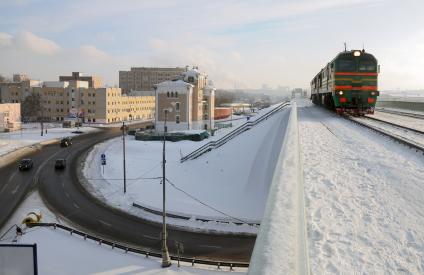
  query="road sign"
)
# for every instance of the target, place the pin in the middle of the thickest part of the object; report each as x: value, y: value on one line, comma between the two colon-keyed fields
x: 103, y: 162
x: 103, y: 156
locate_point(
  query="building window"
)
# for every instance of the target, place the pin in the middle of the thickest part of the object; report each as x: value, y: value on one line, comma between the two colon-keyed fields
x: 167, y: 94
x: 177, y: 106
x: 176, y: 94
x: 177, y: 119
x: 172, y: 94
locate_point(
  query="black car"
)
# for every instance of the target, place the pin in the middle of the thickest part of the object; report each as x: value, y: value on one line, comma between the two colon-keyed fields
x: 66, y: 141
x: 60, y: 164
x: 25, y: 164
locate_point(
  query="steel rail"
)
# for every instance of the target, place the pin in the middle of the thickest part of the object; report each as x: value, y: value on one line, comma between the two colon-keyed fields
x: 396, y: 137
x: 400, y: 113
x: 396, y: 125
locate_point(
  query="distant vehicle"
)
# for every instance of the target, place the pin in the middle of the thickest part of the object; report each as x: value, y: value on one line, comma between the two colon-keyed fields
x: 60, y: 164
x: 68, y: 124
x: 66, y: 141
x: 71, y: 124
x: 77, y: 132
x: 348, y: 83
x: 25, y: 164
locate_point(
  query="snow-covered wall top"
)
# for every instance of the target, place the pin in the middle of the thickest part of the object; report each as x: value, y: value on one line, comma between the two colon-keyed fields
x: 281, y: 245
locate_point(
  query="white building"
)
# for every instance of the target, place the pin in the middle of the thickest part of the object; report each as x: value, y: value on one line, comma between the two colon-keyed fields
x: 176, y: 98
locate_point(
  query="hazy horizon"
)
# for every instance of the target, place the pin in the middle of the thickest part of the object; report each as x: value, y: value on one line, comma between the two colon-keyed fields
x: 239, y: 44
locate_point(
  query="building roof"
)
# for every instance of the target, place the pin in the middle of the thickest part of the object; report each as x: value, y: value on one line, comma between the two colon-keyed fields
x: 172, y: 83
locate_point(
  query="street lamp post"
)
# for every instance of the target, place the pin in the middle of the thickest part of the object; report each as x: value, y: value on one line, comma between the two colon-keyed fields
x: 166, y: 261
x: 123, y: 149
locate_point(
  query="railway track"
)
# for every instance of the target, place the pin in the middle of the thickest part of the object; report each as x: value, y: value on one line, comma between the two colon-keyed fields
x: 396, y: 125
x: 400, y: 113
x: 419, y: 146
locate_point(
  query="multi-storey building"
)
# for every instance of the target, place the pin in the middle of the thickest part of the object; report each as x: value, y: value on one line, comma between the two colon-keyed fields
x: 191, y: 101
x: 174, y: 101
x: 145, y: 78
x: 63, y: 99
x: 10, y: 117
x: 14, y: 92
x: 93, y: 81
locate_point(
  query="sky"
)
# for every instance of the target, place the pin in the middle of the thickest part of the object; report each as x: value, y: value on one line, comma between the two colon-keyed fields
x: 239, y: 44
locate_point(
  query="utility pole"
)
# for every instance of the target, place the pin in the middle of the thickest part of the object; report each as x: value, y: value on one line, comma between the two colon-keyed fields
x: 41, y: 120
x: 166, y: 261
x: 123, y: 150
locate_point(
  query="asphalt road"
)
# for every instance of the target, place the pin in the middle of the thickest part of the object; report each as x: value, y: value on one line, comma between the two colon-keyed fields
x: 15, y: 184
x: 65, y: 196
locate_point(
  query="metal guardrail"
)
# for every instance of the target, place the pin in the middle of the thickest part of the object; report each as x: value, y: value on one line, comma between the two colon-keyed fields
x: 242, y: 128
x: 197, y: 218
x: 146, y: 253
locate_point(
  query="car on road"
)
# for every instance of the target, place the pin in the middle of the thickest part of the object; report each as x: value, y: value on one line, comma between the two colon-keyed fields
x: 25, y: 164
x: 66, y: 141
x: 60, y: 164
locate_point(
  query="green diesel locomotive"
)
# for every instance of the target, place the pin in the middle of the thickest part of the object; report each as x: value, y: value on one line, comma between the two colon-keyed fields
x: 348, y: 84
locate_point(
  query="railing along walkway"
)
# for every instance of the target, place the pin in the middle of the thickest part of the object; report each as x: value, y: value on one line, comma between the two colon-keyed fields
x: 242, y: 128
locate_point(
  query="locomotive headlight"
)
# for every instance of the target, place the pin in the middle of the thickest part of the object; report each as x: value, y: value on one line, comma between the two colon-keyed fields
x: 372, y: 93
x: 340, y: 92
x: 357, y: 53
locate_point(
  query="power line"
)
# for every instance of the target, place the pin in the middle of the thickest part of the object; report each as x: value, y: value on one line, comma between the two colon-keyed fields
x: 203, y: 203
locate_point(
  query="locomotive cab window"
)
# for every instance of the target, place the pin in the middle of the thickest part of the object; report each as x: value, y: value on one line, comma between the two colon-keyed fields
x: 346, y: 65
x: 367, y: 66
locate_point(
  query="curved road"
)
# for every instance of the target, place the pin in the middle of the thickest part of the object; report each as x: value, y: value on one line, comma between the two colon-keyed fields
x: 62, y: 192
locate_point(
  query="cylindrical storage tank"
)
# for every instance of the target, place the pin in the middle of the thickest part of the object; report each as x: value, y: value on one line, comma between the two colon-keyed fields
x: 222, y: 112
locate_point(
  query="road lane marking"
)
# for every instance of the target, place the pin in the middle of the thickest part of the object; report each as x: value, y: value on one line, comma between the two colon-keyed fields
x: 210, y: 246
x: 105, y: 223
x: 150, y: 237
x: 16, y: 189
x: 9, y: 181
x: 66, y: 194
x: 76, y: 206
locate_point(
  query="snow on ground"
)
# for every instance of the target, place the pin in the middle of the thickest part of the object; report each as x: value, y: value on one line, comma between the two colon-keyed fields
x: 415, y: 123
x: 31, y: 134
x: 364, y: 195
x: 233, y: 179
x: 31, y: 203
x: 61, y: 253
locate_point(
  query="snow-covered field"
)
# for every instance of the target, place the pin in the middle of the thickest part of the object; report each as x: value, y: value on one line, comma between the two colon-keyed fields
x: 228, y: 183
x: 364, y: 195
x: 31, y: 134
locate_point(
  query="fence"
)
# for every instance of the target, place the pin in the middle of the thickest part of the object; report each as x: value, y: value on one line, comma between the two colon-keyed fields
x: 242, y: 128
x: 125, y: 248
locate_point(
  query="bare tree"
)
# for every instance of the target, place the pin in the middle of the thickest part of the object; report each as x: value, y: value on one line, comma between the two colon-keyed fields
x: 31, y: 108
